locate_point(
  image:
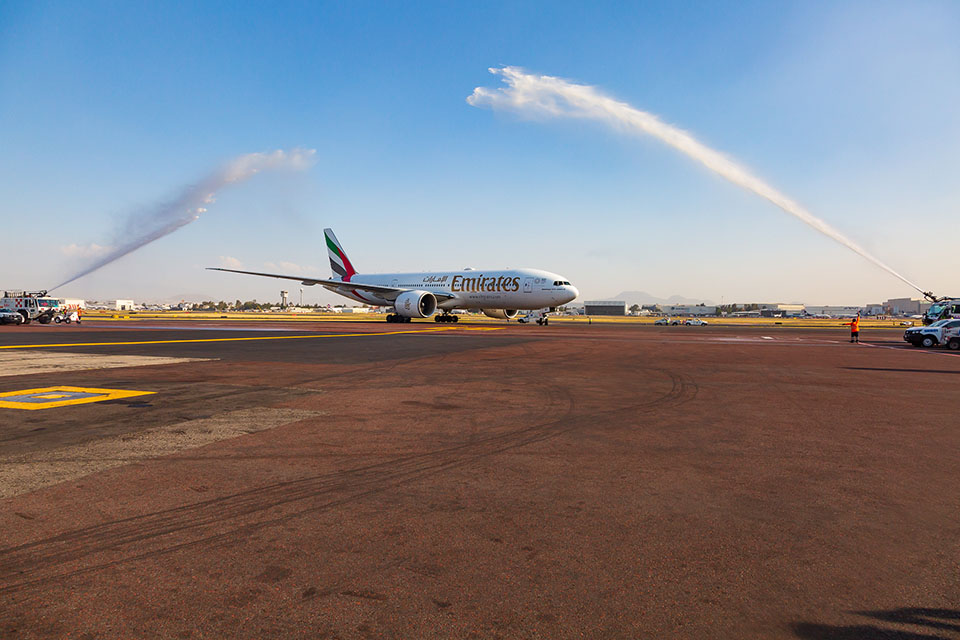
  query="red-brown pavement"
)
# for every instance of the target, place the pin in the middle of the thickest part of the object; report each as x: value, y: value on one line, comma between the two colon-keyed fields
x: 568, y: 481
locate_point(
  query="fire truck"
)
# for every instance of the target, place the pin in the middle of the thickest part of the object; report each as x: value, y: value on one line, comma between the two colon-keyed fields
x: 32, y: 305
x: 942, y: 309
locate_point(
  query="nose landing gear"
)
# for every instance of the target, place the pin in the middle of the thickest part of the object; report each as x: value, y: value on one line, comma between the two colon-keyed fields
x: 446, y: 317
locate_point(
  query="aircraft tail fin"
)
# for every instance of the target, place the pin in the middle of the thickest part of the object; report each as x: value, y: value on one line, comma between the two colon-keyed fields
x: 339, y: 262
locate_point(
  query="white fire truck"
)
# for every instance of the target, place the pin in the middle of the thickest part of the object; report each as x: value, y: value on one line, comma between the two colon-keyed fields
x: 32, y: 305
x: 942, y: 309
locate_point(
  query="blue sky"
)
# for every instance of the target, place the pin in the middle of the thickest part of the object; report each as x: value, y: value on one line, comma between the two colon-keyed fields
x: 849, y: 108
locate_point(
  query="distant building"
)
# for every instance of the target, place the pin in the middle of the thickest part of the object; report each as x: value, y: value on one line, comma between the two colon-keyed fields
x: 780, y: 310
x: 905, y: 306
x: 605, y: 308
x: 832, y: 310
x: 123, y: 305
x: 688, y: 310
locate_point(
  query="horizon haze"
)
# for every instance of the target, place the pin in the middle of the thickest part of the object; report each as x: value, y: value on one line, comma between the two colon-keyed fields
x: 848, y: 107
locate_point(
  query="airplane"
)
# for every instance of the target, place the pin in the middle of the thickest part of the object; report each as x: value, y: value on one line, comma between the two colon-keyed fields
x: 497, y: 293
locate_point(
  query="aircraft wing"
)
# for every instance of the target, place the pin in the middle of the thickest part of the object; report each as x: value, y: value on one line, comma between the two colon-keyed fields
x: 388, y: 293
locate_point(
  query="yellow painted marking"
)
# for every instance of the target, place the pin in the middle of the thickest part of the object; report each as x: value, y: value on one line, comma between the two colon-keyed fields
x: 57, y: 392
x: 321, y: 335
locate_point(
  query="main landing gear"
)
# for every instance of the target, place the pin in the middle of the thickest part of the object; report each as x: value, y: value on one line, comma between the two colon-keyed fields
x: 395, y: 317
x: 446, y: 317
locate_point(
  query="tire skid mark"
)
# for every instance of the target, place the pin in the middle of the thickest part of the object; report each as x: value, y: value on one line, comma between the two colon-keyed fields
x: 38, y: 563
x: 71, y: 546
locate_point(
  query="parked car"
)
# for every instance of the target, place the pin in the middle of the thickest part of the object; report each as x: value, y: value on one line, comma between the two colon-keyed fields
x: 534, y: 316
x: 695, y: 322
x: 942, y: 332
x: 662, y: 322
x: 675, y: 322
x: 9, y: 316
x: 67, y: 316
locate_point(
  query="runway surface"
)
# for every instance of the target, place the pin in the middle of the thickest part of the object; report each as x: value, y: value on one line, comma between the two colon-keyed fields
x: 365, y: 480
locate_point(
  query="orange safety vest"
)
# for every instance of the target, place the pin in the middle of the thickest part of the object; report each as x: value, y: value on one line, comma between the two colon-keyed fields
x: 855, y: 325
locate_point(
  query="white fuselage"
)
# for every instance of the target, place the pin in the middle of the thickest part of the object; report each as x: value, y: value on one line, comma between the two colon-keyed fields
x: 470, y: 288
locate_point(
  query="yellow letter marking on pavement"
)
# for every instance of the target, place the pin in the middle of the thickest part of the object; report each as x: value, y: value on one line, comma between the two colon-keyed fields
x: 50, y: 397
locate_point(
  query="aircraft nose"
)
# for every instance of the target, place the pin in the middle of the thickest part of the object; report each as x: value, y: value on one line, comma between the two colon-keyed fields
x: 572, y: 292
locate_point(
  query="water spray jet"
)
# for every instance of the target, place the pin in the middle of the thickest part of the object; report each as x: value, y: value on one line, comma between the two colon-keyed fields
x: 141, y: 227
x: 555, y: 97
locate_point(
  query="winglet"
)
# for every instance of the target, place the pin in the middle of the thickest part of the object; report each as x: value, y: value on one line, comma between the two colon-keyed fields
x: 339, y: 262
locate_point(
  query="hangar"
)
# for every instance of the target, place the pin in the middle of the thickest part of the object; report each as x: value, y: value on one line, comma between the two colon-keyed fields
x: 605, y: 308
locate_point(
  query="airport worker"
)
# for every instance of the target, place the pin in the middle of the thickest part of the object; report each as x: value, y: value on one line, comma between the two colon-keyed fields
x: 854, y: 328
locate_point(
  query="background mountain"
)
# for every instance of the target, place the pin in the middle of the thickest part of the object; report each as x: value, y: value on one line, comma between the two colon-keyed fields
x: 642, y: 297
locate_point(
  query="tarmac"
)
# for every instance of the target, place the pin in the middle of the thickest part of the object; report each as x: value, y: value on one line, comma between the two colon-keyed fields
x: 364, y: 480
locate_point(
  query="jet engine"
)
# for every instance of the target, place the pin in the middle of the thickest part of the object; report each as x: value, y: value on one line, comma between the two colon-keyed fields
x: 500, y: 314
x: 416, y: 304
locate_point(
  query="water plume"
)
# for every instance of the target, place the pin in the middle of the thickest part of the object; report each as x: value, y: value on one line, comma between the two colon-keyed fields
x: 143, y: 226
x: 531, y: 94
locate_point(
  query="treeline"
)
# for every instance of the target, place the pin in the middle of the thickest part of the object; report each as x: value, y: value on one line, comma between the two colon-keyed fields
x: 721, y: 309
x: 249, y: 305
x: 732, y: 308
